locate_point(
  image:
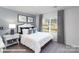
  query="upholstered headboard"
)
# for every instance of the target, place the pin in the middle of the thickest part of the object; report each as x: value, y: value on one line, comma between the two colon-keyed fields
x: 23, y: 26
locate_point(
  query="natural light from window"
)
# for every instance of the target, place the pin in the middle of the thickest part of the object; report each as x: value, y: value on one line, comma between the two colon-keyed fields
x: 49, y: 25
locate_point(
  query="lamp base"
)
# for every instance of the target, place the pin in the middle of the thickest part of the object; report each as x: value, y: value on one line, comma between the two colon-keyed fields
x: 12, y: 31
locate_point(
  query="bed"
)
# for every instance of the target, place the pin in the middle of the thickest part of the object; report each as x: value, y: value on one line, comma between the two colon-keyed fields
x: 36, y: 40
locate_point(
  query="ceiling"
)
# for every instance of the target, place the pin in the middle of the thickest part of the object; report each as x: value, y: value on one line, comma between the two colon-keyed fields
x: 35, y: 9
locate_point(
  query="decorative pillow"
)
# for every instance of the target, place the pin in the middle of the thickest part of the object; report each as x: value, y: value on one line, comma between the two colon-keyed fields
x: 30, y: 30
x: 25, y: 31
x: 34, y: 30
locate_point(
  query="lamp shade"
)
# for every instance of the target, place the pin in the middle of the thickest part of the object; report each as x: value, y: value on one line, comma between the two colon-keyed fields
x: 12, y: 26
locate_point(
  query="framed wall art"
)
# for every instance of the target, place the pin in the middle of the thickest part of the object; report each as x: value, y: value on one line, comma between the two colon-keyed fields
x: 22, y: 18
x: 30, y: 19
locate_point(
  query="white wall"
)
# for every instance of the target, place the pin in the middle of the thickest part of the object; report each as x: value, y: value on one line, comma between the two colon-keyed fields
x: 48, y: 16
x: 72, y: 26
x: 8, y: 17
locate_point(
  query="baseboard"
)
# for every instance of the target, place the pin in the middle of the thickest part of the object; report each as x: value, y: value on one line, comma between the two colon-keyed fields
x: 72, y: 45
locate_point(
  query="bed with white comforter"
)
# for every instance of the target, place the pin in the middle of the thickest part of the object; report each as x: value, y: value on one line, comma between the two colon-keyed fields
x: 36, y: 40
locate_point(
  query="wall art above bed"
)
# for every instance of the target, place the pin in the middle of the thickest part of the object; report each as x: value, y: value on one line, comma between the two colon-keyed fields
x: 22, y: 18
x: 30, y: 19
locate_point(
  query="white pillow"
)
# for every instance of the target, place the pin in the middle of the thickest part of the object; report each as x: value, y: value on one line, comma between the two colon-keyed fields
x: 25, y: 31
x: 30, y: 30
x: 1, y: 43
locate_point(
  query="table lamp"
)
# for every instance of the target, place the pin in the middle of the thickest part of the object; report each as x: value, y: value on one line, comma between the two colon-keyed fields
x: 12, y: 27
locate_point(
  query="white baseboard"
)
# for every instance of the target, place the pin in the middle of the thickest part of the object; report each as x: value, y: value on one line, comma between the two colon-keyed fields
x: 72, y: 45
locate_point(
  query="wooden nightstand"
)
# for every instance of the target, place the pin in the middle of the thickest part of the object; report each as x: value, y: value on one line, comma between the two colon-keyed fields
x: 11, y: 39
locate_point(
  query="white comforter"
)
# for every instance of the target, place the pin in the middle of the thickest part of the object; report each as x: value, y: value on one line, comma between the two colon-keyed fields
x: 36, y: 41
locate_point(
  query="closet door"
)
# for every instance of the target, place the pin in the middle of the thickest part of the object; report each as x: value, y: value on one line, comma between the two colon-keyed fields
x: 61, y: 27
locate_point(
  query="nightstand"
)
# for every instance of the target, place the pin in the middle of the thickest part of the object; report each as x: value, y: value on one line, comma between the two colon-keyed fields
x: 11, y: 39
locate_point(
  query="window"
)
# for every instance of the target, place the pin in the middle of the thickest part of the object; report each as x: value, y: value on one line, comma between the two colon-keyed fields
x: 45, y: 26
x: 53, y: 25
x: 49, y: 25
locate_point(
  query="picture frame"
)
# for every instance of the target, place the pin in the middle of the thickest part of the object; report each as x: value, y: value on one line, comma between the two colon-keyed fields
x: 30, y: 19
x: 22, y: 18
